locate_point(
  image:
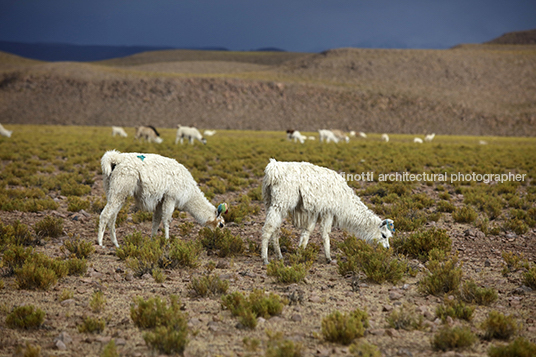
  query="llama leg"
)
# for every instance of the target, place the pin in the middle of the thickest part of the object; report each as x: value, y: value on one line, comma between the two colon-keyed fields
x: 272, y: 224
x: 275, y: 242
x: 107, y: 219
x: 325, y: 227
x: 306, y: 233
x: 167, y: 213
x: 157, y: 218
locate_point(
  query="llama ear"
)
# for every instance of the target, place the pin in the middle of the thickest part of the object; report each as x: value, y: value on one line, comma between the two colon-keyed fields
x: 222, y: 208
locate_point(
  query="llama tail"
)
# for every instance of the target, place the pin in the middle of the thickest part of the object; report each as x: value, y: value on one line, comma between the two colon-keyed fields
x: 271, y: 172
x: 108, y: 162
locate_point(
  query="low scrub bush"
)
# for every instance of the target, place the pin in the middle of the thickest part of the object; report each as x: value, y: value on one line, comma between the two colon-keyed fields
x: 155, y: 312
x: 80, y: 248
x: 449, y: 338
x: 529, y: 278
x: 280, y: 347
x: 256, y: 304
x: 376, y: 262
x: 92, y: 325
x: 25, y: 317
x: 110, y: 350
x: 208, y: 285
x: 342, y: 328
x: 514, y: 262
x: 97, y: 302
x: 471, y: 293
x: 142, y: 216
x: 443, y: 277
x: 146, y: 255
x: 221, y: 242
x: 465, y: 215
x: 364, y: 349
x: 305, y: 256
x: 76, y: 204
x: 455, y: 309
x: 499, y: 326
x: 170, y: 340
x: 76, y: 266
x: 16, y: 234
x: 418, y: 245
x: 49, y: 227
x: 516, y: 225
x: 520, y: 347
x: 446, y: 206
x: 29, y: 351
x: 286, y: 275
x: 405, y: 318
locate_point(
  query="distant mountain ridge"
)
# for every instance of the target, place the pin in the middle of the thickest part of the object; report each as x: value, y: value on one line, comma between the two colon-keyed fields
x: 55, y: 52
x: 515, y: 38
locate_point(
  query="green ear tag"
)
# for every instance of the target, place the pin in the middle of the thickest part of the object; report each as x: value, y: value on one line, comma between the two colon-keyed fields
x: 141, y: 157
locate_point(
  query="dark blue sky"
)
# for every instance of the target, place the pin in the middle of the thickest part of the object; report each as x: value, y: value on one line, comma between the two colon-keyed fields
x: 292, y: 25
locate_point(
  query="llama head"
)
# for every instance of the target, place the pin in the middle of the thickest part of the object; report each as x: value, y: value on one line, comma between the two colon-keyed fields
x: 219, y: 221
x: 204, y: 141
x: 387, y: 228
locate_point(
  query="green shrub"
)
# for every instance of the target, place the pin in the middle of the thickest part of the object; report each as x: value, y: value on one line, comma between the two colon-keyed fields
x: 92, y: 325
x: 49, y: 227
x: 76, y: 204
x: 208, y: 285
x: 499, y: 326
x: 375, y: 261
x: 364, y: 349
x: 183, y: 254
x: 514, y: 262
x: 169, y: 326
x: 405, y: 318
x: 520, y: 347
x: 305, y: 256
x: 142, y: 216
x: 25, y: 317
x: 471, y: 293
x: 286, y: 275
x: 279, y: 347
x: 255, y: 305
x: 186, y: 228
x: 516, y: 225
x: 455, y: 309
x: 81, y: 248
x: 449, y: 338
x: 76, y: 266
x: 16, y: 234
x: 445, y: 206
x: 168, y: 339
x: 29, y: 351
x: 529, y: 278
x: 342, y: 328
x: 464, y: 215
x: 418, y: 245
x: 66, y: 294
x: 154, y: 312
x: 110, y: 350
x: 33, y: 275
x: 97, y: 302
x: 442, y: 277
x: 221, y: 242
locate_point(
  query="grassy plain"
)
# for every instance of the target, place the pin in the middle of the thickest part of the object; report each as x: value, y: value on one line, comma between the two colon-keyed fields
x: 54, y: 172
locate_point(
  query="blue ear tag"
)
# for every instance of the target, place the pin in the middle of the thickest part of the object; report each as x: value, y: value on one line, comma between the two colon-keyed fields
x: 222, y: 208
x: 141, y: 157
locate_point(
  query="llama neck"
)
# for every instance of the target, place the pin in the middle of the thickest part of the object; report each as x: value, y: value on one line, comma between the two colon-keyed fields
x: 363, y: 222
x: 200, y: 208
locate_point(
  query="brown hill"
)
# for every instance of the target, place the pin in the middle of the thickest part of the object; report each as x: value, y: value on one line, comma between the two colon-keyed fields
x: 516, y: 38
x: 470, y: 89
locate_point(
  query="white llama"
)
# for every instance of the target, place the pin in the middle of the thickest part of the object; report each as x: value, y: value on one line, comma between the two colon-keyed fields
x: 310, y: 194
x: 158, y: 184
